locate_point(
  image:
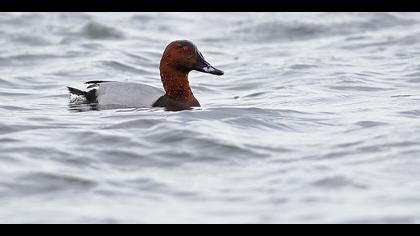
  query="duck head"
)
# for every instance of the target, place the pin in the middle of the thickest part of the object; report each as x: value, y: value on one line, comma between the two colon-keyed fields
x: 183, y: 56
x: 179, y: 58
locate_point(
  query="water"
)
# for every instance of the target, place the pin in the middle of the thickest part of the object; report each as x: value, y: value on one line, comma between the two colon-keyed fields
x: 316, y: 120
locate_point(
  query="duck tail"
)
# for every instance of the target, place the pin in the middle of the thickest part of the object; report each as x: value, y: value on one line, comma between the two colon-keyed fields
x: 76, y: 91
x: 90, y: 95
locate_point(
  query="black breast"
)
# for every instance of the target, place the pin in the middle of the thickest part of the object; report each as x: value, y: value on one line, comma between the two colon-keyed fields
x: 175, y: 105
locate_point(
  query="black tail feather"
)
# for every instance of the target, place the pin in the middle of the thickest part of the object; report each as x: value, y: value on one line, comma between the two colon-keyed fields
x: 97, y: 82
x: 90, y: 95
x: 76, y: 91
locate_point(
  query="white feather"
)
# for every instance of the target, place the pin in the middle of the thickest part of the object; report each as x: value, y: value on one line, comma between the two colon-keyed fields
x: 127, y: 95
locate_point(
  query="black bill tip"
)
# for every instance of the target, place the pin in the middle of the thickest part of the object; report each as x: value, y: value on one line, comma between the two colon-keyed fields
x: 203, y: 66
x: 211, y: 70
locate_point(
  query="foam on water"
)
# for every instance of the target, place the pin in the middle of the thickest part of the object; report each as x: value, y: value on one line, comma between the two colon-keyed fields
x: 315, y: 119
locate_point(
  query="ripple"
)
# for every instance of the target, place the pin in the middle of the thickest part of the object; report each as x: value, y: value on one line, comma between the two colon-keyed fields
x: 412, y: 113
x: 369, y: 124
x: 94, y: 30
x: 359, y: 88
x: 337, y: 182
x: 15, y: 108
x: 382, y: 220
x: 137, y: 124
x: 275, y: 30
x: 45, y: 183
x: 9, y: 129
x: 124, y: 68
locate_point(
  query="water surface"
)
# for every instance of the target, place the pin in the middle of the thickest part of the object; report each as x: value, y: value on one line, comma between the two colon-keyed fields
x: 316, y: 120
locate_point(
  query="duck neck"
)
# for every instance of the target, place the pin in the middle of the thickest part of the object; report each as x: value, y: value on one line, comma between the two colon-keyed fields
x: 176, y: 84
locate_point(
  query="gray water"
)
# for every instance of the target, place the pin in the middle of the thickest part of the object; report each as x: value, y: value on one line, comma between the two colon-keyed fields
x: 316, y: 120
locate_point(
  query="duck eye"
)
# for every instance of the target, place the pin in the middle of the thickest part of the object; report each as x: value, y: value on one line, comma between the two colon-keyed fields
x: 186, y: 49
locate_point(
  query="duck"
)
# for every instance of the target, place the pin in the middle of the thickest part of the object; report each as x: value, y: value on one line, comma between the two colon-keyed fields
x: 179, y: 58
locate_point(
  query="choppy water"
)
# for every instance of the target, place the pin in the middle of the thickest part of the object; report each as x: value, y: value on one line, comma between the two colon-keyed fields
x: 316, y: 120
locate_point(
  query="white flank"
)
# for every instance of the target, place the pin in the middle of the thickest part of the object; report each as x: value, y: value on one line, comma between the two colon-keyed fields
x: 127, y: 95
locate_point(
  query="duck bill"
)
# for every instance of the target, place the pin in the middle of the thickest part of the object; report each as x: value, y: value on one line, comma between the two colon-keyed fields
x: 203, y: 66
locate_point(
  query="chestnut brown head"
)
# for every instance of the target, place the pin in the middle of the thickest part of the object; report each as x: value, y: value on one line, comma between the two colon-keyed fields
x: 183, y: 56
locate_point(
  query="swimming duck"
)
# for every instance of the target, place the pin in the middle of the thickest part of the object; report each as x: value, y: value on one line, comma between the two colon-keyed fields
x: 179, y: 58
